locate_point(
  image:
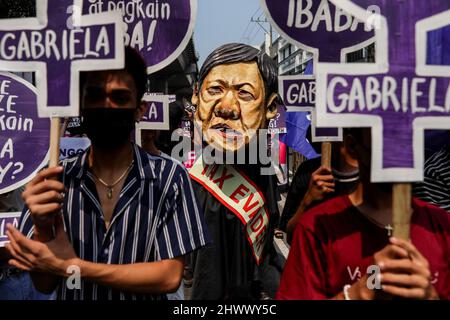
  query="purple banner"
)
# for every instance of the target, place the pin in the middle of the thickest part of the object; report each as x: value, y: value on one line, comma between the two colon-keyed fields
x: 57, y: 45
x: 398, y: 102
x: 159, y: 30
x: 24, y: 137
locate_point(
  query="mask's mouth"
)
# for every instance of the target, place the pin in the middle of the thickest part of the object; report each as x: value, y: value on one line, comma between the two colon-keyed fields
x: 225, y: 130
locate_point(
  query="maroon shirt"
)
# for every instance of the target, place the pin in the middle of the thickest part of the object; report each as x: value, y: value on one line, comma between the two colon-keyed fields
x: 334, y: 245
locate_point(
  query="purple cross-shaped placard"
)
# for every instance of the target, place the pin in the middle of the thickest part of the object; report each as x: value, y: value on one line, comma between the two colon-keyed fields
x: 327, y: 31
x: 57, y: 44
x: 398, y: 97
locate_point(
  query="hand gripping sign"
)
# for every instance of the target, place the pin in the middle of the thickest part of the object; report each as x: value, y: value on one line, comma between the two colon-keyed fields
x: 57, y: 44
x: 328, y: 32
x: 159, y: 30
x: 399, y: 97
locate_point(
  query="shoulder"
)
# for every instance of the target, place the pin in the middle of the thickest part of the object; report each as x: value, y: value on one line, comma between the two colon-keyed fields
x: 438, y: 161
x: 166, y: 169
x: 430, y: 216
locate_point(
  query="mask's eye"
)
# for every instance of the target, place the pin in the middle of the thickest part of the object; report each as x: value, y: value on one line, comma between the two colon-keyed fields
x: 246, y: 95
x: 214, y: 90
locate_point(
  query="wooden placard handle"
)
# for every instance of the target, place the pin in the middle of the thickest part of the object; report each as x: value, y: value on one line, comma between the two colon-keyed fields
x: 401, y: 210
x: 43, y: 233
x: 326, y: 154
x: 55, y: 133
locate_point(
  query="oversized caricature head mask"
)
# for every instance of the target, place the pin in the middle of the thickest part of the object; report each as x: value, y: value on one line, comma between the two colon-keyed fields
x: 236, y: 95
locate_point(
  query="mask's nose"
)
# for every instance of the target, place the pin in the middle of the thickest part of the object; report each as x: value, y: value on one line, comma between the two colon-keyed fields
x: 229, y: 108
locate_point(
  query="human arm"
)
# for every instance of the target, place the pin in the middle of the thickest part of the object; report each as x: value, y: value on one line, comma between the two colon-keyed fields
x: 320, y: 184
x: 55, y: 258
x: 43, y: 198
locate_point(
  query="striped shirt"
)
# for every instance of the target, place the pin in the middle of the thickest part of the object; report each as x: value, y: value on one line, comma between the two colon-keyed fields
x: 156, y: 218
x: 435, y: 188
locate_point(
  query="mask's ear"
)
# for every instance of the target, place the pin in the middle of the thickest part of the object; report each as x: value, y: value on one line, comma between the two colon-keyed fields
x: 272, y: 106
x: 194, y: 99
x: 141, y: 110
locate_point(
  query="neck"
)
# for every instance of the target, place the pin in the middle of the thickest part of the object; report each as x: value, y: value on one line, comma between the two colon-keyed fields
x: 373, y: 201
x: 152, y: 149
x: 104, y: 161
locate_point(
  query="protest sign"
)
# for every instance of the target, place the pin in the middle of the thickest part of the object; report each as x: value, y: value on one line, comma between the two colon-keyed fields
x: 57, y: 44
x: 277, y: 125
x: 402, y: 94
x: 159, y: 30
x: 328, y: 32
x: 299, y: 94
x: 5, y: 219
x: 24, y: 137
x: 156, y: 117
x: 399, y: 96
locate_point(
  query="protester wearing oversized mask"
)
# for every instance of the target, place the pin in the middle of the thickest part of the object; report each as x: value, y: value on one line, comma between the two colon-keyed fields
x: 236, y: 96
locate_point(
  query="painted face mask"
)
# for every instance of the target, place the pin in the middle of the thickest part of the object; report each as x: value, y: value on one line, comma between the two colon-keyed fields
x: 108, y: 128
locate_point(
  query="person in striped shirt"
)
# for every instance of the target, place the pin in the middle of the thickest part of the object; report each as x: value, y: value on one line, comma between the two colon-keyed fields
x: 118, y: 221
x: 435, y: 188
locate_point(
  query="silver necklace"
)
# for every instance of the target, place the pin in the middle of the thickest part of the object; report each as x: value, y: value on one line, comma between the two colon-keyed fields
x: 110, y: 187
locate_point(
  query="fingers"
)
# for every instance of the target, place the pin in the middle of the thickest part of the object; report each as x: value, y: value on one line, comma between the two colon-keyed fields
x: 409, y: 293
x: 410, y: 248
x: 404, y: 280
x: 19, y: 265
x: 390, y: 252
x: 24, y: 243
x: 46, y: 174
x: 324, y: 184
x: 43, y: 186
x: 12, y: 249
x: 43, y: 210
x: 323, y: 170
x: 45, y: 197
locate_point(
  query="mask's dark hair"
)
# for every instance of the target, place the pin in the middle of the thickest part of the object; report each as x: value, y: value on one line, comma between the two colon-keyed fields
x: 236, y: 53
x: 135, y: 66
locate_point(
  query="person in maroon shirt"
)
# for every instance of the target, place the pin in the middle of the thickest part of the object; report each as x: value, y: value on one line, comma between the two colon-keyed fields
x: 343, y: 249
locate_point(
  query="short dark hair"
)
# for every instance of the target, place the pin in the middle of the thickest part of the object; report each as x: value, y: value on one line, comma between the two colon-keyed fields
x: 135, y: 66
x: 236, y: 53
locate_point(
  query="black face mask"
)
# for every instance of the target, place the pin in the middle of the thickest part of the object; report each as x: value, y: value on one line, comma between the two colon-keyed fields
x: 346, y: 182
x: 108, y: 128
